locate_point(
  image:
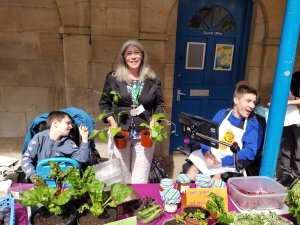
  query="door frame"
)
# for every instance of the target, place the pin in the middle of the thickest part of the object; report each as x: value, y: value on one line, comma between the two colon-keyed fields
x: 243, y: 57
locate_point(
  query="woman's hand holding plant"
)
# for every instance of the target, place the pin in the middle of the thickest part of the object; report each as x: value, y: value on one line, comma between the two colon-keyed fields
x: 112, y: 122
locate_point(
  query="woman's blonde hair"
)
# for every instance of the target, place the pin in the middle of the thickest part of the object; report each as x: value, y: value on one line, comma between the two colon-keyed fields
x: 122, y: 72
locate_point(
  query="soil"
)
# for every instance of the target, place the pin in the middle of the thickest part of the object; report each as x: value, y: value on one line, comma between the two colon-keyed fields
x: 192, y: 209
x: 119, y: 136
x: 46, y: 218
x: 88, y: 218
x: 171, y: 222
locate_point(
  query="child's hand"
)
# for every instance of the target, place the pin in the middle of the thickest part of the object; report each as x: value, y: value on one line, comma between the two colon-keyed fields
x: 211, y: 159
x: 84, y: 133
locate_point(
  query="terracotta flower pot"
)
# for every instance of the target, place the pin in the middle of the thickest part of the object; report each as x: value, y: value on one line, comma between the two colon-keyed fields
x: 193, y: 209
x: 145, y: 139
x: 212, y: 214
x: 121, y: 139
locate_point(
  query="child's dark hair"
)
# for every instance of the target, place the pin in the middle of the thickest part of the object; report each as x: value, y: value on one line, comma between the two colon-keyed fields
x: 56, y: 115
x: 244, y: 87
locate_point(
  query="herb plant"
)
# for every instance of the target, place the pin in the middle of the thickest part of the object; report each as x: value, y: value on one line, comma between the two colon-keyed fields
x: 293, y: 196
x: 195, y: 213
x: 101, y: 134
x: 217, y: 206
x: 158, y: 131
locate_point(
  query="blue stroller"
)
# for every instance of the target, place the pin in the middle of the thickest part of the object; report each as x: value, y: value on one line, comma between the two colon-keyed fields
x: 78, y: 116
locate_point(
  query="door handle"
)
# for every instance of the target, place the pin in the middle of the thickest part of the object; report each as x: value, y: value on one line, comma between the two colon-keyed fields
x: 178, y: 95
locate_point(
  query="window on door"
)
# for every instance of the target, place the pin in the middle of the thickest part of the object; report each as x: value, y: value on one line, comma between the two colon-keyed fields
x: 212, y: 16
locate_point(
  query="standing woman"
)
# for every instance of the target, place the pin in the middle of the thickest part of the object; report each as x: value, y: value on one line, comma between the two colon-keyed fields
x: 139, y: 88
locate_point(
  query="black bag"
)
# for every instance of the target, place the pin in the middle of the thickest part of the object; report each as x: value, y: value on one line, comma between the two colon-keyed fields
x: 157, y: 172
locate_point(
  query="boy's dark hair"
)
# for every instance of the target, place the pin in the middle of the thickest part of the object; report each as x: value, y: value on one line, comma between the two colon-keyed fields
x: 56, y: 115
x: 244, y: 87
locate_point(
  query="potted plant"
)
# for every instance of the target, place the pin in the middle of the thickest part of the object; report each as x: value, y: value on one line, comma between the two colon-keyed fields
x: 216, y: 209
x: 120, y: 136
x: 293, y: 196
x: 194, y: 215
x: 178, y: 220
x: 99, y: 208
x: 157, y: 132
x: 54, y: 200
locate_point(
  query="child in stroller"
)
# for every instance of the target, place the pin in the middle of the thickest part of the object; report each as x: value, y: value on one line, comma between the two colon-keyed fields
x: 78, y: 117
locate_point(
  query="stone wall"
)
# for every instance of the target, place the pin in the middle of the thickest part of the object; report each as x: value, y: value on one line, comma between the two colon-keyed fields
x: 56, y: 54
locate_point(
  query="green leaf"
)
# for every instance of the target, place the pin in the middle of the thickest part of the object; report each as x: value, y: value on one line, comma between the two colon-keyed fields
x: 102, y: 136
x: 154, y: 134
x: 64, y: 197
x: 159, y: 138
x: 55, y: 210
x: 40, y: 195
x: 93, y: 134
x: 101, y: 116
x: 115, y: 96
x: 158, y: 116
x: 145, y: 125
x: 114, y: 131
x: 83, y: 207
x: 166, y: 135
x: 74, y: 177
x: 120, y: 191
x: 97, y: 209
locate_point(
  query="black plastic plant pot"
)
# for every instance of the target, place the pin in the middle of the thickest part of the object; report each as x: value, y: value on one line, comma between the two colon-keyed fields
x: 43, y: 212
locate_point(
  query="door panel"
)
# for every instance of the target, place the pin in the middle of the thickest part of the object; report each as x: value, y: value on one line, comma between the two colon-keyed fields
x: 211, y: 46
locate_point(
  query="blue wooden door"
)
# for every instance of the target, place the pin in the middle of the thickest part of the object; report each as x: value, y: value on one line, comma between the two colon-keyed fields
x: 211, y: 49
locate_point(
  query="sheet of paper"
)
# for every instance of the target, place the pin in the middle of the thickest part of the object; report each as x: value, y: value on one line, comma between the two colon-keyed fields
x: 7, y: 161
x: 292, y: 115
x: 199, y: 161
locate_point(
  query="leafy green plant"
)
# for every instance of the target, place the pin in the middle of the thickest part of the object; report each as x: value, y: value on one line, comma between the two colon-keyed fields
x: 179, y: 219
x: 195, y: 213
x: 293, y: 196
x: 198, y: 215
x: 217, y: 206
x: 53, y: 198
x: 101, y: 133
x: 95, y: 190
x: 158, y: 131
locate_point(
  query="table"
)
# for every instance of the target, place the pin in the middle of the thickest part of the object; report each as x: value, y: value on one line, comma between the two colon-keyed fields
x: 151, y: 190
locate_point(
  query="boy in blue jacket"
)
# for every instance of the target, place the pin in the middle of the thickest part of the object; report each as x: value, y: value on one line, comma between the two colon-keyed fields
x: 238, y: 125
x: 55, y: 142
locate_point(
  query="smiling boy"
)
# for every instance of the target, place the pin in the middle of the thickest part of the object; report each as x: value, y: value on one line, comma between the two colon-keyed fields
x: 55, y: 142
x: 237, y: 125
